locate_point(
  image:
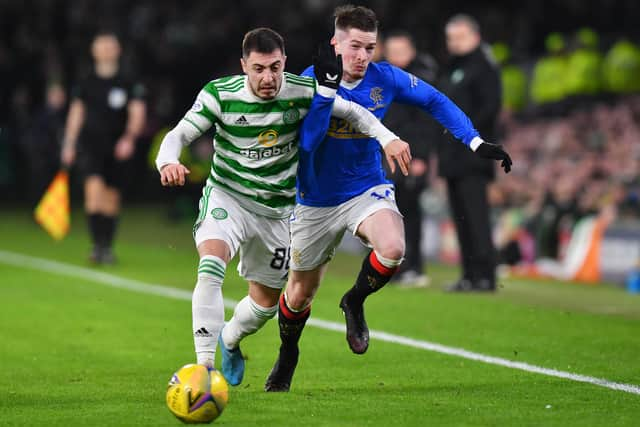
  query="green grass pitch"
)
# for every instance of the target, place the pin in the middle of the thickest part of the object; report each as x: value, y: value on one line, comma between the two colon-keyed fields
x: 74, y: 352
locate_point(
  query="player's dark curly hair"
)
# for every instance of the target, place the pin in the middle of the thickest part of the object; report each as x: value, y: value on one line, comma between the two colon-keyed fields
x: 359, y: 17
x: 262, y: 40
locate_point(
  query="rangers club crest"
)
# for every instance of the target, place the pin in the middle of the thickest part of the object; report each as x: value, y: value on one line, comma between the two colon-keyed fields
x: 376, y: 96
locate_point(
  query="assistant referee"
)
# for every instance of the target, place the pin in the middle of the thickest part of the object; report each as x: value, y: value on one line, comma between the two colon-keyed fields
x: 106, y: 115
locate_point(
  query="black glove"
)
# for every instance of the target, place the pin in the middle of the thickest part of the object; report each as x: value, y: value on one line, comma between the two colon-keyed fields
x: 328, y: 66
x: 495, y: 152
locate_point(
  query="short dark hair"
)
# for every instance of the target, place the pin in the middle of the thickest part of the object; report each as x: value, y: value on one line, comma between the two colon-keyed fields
x: 358, y: 17
x: 404, y: 34
x: 106, y: 32
x: 261, y: 40
x: 463, y: 18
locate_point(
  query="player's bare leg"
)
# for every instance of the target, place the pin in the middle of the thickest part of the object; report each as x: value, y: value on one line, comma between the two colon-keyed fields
x: 384, y: 230
x: 249, y: 315
x: 294, y: 309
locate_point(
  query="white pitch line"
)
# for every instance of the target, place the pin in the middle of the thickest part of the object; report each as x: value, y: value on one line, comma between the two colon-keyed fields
x: 112, y: 280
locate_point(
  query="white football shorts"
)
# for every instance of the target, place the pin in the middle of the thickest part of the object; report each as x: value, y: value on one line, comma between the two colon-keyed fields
x: 263, y: 242
x: 317, y: 231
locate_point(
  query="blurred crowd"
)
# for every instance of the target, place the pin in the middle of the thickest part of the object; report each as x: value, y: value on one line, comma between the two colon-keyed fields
x: 565, y: 168
x: 575, y: 139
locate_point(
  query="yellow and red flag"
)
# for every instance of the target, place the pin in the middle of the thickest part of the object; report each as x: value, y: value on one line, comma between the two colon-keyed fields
x: 52, y: 212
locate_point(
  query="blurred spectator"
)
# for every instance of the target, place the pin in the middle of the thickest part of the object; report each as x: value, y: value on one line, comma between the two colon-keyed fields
x: 42, y: 143
x: 548, y: 83
x: 584, y: 67
x: 567, y: 169
x: 622, y: 68
x: 412, y: 125
x: 514, y: 80
x: 472, y: 81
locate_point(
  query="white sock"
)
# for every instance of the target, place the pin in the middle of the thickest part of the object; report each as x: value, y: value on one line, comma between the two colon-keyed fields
x: 208, y: 308
x: 247, y: 318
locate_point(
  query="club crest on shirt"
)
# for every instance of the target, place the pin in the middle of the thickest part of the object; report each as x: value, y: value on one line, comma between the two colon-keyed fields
x: 197, y: 106
x: 457, y: 76
x: 219, y: 213
x: 376, y: 96
x: 292, y: 115
x: 117, y: 98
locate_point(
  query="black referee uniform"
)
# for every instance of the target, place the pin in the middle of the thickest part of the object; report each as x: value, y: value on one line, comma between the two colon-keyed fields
x: 106, y: 114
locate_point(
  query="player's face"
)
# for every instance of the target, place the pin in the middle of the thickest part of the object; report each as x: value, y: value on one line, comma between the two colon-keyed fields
x: 265, y: 72
x: 357, y: 48
x: 461, y: 38
x: 105, y: 48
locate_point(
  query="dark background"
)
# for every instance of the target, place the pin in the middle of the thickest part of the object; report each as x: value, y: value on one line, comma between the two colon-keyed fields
x: 176, y: 47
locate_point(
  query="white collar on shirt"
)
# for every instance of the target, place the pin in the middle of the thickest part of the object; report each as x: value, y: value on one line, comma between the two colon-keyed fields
x: 350, y: 85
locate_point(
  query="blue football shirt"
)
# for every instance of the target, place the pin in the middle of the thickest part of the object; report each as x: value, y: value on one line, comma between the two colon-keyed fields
x: 347, y: 163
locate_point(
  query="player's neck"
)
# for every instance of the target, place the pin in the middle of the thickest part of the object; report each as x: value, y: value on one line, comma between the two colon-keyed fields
x: 106, y: 70
x: 349, y: 78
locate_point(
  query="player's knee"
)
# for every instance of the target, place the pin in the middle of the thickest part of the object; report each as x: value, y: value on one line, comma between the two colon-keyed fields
x: 299, y: 295
x: 392, y: 249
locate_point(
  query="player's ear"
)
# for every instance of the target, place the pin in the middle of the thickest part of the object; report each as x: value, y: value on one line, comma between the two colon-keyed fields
x: 243, y: 64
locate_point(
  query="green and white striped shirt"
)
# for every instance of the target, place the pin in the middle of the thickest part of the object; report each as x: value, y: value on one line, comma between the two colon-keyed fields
x: 256, y: 141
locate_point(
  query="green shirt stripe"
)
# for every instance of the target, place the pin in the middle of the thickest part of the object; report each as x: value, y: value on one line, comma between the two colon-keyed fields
x: 273, y: 202
x: 287, y: 184
x: 264, y: 171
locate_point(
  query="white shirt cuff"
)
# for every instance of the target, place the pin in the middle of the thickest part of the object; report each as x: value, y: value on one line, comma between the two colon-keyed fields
x: 475, y: 143
x: 327, y: 92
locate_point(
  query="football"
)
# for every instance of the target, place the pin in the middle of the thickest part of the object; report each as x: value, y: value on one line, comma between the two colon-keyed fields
x: 197, y: 394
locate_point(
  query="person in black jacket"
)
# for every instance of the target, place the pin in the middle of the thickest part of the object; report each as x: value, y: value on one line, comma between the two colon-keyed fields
x: 412, y: 125
x: 472, y: 81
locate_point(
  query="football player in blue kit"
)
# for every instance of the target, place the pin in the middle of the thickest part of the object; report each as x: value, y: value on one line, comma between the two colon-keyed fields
x: 341, y: 186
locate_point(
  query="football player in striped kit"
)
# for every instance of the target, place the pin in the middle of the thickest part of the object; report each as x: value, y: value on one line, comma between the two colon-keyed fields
x: 260, y: 118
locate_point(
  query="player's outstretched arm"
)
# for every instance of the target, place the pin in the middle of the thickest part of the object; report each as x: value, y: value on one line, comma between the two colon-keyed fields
x: 395, y: 149
x: 412, y: 90
x: 191, y: 127
x: 172, y: 172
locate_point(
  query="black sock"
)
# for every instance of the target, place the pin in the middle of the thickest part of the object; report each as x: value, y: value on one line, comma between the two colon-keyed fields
x: 291, y: 323
x: 95, y: 226
x: 109, y: 225
x: 372, y: 277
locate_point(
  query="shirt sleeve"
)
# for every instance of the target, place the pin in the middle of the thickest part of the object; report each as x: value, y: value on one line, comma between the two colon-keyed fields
x: 205, y: 111
x: 202, y: 115
x: 414, y: 91
x: 138, y: 91
x: 171, y: 147
x: 315, y: 125
x: 363, y: 120
x: 78, y: 91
